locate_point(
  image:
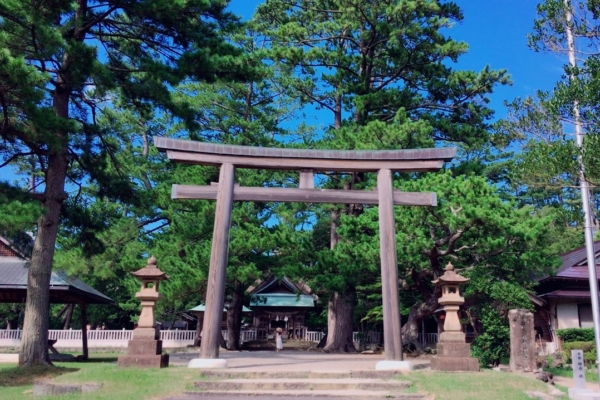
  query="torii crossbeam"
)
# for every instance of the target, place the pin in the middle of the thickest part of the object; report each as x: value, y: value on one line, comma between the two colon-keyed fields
x: 230, y: 157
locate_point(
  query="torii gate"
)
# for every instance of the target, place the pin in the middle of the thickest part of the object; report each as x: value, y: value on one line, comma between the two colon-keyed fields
x: 230, y: 157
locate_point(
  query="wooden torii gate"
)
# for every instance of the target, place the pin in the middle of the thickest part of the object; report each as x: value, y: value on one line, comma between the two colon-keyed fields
x: 230, y: 157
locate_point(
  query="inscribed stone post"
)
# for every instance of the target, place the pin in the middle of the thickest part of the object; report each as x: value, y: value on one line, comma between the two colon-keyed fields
x: 578, y: 369
x: 522, y: 340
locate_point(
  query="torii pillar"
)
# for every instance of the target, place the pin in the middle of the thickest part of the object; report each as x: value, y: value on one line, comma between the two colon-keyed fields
x: 215, y: 289
x: 389, y: 276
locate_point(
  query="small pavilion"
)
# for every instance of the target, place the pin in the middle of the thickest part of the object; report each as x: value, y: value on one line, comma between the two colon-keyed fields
x: 64, y: 289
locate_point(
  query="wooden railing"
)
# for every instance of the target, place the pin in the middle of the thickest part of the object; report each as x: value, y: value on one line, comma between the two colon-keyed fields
x: 370, y: 337
x: 428, y: 338
x: 246, y: 336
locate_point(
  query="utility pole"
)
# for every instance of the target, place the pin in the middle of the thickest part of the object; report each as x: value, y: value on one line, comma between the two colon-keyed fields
x: 585, y: 191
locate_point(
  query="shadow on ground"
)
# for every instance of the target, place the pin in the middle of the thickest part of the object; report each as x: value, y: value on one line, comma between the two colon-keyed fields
x: 24, y: 376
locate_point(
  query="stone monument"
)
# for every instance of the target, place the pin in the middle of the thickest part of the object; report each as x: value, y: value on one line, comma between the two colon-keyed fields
x: 522, y: 341
x: 453, y: 353
x: 145, y: 349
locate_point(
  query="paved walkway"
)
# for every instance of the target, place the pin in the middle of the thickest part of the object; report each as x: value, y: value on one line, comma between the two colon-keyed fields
x: 569, y: 383
x: 295, y: 361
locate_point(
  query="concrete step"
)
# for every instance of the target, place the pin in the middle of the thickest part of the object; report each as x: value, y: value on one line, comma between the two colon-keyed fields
x: 304, y: 394
x: 303, y: 384
x: 231, y: 374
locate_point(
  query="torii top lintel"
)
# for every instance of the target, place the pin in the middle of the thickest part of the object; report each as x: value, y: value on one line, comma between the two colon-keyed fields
x: 193, y: 152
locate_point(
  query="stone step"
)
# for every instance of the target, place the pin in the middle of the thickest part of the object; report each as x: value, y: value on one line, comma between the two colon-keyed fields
x: 304, y: 394
x: 231, y: 374
x: 303, y: 384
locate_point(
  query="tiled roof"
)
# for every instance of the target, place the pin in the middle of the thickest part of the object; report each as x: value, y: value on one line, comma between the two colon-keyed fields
x: 574, y: 294
x: 13, y: 275
x: 577, y: 272
x: 576, y: 256
x: 574, y: 265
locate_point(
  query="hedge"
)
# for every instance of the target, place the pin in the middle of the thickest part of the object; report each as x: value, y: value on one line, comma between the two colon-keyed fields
x: 576, y: 335
x: 589, y: 352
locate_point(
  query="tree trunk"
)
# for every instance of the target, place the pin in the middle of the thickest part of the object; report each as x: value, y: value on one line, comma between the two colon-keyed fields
x: 34, y: 340
x: 418, y: 312
x: 198, y: 338
x: 234, y: 317
x: 68, y: 316
x: 339, y: 323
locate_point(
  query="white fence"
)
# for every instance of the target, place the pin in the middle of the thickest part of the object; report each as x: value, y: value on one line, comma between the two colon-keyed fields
x: 171, y: 338
x: 98, y: 338
x: 312, y: 336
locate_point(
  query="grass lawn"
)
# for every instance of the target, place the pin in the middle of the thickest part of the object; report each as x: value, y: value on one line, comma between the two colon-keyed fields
x: 486, y: 385
x: 117, y: 383
x: 134, y: 383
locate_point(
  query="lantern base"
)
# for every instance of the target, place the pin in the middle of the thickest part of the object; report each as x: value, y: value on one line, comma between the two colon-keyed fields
x: 146, y: 334
x: 446, y: 337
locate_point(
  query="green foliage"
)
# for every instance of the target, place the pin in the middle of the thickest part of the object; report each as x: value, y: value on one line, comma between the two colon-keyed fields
x: 588, y: 348
x: 493, y: 344
x: 316, y: 321
x: 546, y: 169
x: 576, y: 334
x: 80, y: 82
x: 381, y: 70
x: 20, y: 210
x: 499, y: 246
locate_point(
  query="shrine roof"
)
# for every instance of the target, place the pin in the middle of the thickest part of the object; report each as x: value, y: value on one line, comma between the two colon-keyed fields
x: 202, y: 307
x: 281, y: 300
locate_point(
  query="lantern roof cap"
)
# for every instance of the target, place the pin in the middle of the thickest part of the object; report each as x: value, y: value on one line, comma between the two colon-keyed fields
x: 150, y: 271
x: 450, y: 276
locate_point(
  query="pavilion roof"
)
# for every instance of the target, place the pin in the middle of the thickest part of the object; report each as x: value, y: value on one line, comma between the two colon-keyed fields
x: 63, y: 288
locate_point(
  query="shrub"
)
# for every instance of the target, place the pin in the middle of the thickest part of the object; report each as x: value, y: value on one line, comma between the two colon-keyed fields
x: 493, y: 345
x: 589, y: 352
x: 576, y: 334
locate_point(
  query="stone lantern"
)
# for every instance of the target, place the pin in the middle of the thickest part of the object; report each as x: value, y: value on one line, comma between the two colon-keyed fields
x: 145, y: 349
x: 453, y: 353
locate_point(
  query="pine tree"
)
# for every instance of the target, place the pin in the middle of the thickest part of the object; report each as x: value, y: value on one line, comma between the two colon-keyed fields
x: 380, y: 68
x: 60, y: 63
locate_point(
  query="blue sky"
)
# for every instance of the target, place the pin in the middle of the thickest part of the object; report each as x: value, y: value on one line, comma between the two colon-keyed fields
x: 496, y: 33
